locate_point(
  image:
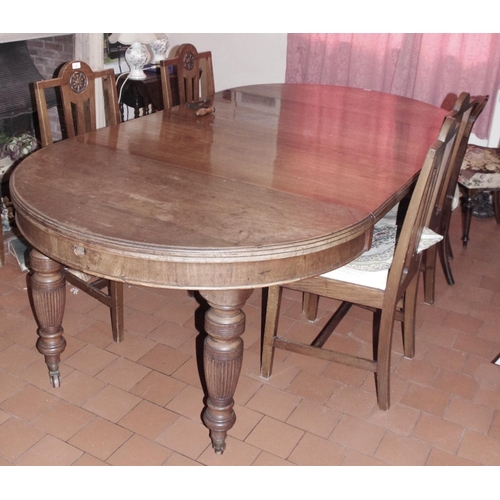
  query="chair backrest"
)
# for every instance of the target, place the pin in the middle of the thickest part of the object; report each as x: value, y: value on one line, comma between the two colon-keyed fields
x: 195, y: 75
x: 406, y: 262
x: 465, y: 112
x: 76, y: 85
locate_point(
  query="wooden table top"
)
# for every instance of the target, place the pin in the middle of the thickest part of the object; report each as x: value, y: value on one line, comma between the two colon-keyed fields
x: 278, y: 174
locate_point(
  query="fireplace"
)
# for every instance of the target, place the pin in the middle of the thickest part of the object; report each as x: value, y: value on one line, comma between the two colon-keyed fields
x: 25, y: 58
x: 22, y: 62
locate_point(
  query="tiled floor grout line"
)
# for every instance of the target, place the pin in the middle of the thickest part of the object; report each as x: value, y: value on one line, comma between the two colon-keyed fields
x: 479, y: 394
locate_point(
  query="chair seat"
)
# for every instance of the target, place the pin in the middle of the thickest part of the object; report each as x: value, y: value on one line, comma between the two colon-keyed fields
x: 371, y: 268
x: 480, y: 168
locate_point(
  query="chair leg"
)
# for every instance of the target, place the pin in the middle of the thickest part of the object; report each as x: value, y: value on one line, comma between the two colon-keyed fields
x: 310, y: 302
x: 2, y: 249
x: 409, y: 313
x: 449, y: 250
x: 444, y: 249
x: 429, y: 265
x: 384, y: 358
x: 270, y: 329
x: 116, y: 294
x: 466, y: 218
x: 496, y: 205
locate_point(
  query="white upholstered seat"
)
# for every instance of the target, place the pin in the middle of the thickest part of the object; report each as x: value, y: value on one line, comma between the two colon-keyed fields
x: 372, y: 267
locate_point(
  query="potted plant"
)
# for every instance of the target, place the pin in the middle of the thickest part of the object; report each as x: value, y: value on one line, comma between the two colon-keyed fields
x: 12, y: 149
x: 5, y: 161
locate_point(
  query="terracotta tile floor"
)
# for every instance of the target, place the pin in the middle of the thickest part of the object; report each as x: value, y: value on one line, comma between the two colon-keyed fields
x: 139, y: 402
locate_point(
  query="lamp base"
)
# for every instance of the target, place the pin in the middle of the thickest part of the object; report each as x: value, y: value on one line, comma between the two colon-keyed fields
x: 159, y: 48
x: 136, y: 75
x: 137, y: 56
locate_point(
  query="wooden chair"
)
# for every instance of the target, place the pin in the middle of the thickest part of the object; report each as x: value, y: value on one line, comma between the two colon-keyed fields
x: 465, y: 111
x: 76, y: 84
x: 390, y: 293
x: 479, y: 173
x: 195, y: 76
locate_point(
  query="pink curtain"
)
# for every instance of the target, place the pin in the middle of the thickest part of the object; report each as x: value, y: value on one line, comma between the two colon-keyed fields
x: 429, y: 67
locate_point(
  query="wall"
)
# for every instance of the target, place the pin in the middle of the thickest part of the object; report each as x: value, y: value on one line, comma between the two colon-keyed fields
x: 240, y: 58
x: 494, y: 139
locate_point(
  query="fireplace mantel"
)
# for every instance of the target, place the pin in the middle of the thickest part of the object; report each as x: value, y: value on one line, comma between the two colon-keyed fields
x: 17, y: 37
x: 88, y: 46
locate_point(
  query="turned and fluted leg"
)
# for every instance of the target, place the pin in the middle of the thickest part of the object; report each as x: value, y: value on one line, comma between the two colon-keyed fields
x: 49, y: 297
x: 222, y: 356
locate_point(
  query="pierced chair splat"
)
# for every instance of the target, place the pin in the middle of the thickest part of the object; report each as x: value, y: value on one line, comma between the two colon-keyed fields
x: 195, y: 77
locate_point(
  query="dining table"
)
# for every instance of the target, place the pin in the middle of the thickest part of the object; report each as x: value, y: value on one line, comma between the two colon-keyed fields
x: 280, y: 182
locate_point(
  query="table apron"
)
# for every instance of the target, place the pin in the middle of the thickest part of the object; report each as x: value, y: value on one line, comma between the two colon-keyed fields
x: 154, y: 271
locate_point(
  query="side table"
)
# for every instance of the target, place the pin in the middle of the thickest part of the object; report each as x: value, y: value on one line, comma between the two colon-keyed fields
x: 145, y: 94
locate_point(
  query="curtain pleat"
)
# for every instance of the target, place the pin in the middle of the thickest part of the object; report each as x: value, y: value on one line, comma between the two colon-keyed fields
x: 430, y: 67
